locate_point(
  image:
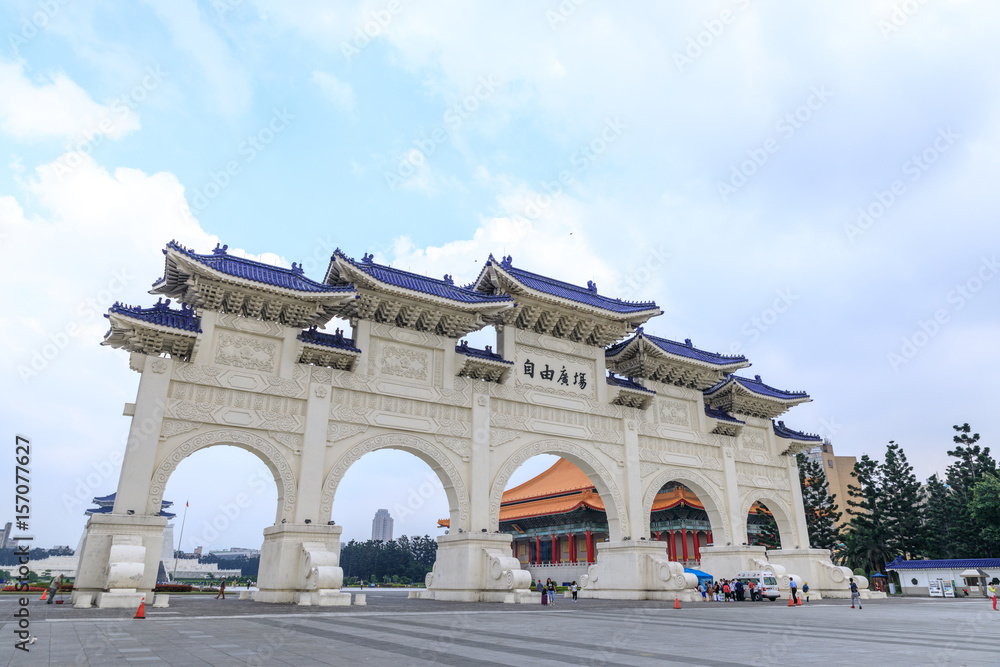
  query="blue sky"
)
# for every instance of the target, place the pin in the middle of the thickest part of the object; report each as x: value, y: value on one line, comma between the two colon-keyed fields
x: 813, y: 185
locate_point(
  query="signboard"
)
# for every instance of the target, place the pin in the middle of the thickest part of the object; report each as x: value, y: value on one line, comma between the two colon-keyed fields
x: 553, y: 370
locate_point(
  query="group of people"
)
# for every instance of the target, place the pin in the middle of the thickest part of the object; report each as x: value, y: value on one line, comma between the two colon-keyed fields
x: 548, y: 591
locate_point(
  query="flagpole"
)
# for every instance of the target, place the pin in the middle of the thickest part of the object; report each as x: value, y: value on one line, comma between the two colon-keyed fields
x: 177, y: 554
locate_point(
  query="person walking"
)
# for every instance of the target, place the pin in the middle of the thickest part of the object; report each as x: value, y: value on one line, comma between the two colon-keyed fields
x: 573, y: 589
x: 222, y: 589
x: 794, y: 587
x: 725, y: 589
x: 551, y: 585
x: 805, y: 590
x: 992, y: 588
x: 545, y: 594
x: 855, y: 594
x: 57, y: 582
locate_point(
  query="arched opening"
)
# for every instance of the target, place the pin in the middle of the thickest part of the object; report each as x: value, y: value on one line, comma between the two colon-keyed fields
x: 389, y: 504
x: 682, y: 509
x: 768, y: 524
x: 222, y: 497
x: 555, y: 511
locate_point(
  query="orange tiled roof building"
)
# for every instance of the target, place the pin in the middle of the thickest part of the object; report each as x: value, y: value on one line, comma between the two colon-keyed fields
x: 557, y: 516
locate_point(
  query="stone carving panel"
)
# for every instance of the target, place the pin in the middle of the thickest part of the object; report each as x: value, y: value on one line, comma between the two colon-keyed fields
x: 250, y: 352
x: 501, y: 436
x: 754, y: 439
x: 615, y: 452
x: 269, y: 453
x: 406, y: 362
x: 558, y: 446
x: 676, y: 413
x: 336, y: 431
x: 172, y: 427
x: 405, y: 442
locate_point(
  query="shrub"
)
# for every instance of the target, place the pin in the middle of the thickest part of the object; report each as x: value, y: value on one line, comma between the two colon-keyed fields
x: 173, y: 588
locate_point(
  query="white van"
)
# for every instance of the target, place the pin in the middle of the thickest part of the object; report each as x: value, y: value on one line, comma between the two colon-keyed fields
x: 765, y: 585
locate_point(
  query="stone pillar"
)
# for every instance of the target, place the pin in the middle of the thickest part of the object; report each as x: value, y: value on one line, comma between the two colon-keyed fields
x: 737, y: 524
x: 590, y: 547
x: 633, y: 483
x: 798, y: 517
x: 289, y: 352
x: 202, y: 355
x: 362, y: 340
x: 143, y: 434
x: 479, y: 515
x: 310, y: 489
x: 300, y: 563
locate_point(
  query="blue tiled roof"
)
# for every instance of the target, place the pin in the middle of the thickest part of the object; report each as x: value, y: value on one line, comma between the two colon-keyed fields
x: 721, y: 415
x: 756, y: 386
x: 627, y: 383
x: 443, y: 288
x: 161, y: 314
x: 783, y: 431
x: 685, y: 349
x: 111, y: 498
x: 488, y: 353
x: 335, y: 340
x: 238, y: 267
x: 585, y: 295
x: 946, y: 564
x: 108, y: 510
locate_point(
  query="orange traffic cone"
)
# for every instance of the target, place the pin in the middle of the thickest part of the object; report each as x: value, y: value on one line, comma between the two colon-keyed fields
x: 141, y: 613
x: 798, y: 601
x: 45, y: 594
x: 790, y: 603
x: 677, y: 602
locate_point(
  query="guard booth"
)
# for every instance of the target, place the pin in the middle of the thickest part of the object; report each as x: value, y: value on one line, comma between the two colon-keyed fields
x: 976, y: 581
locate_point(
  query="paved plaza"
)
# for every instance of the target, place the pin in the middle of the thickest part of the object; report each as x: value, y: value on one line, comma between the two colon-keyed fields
x: 391, y: 630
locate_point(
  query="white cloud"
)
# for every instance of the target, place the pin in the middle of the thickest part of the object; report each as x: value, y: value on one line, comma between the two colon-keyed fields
x: 55, y: 107
x: 336, y: 91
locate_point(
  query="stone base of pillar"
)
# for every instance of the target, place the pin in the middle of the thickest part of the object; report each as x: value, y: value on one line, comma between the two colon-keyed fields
x: 637, y: 570
x: 300, y: 564
x: 826, y: 580
x: 119, y: 560
x: 476, y: 567
x: 726, y: 562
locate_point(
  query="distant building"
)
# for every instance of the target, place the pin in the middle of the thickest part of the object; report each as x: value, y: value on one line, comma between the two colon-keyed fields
x: 197, y: 551
x: 5, y: 541
x: 382, y: 526
x: 838, y: 471
x: 235, y: 552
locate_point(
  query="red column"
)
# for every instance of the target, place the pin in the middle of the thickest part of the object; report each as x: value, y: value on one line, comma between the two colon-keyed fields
x: 555, y: 554
x: 658, y: 536
x: 671, y: 547
x: 709, y: 537
x: 590, y: 547
x: 572, y: 547
x: 538, y: 550
x: 697, y: 555
x: 684, y: 544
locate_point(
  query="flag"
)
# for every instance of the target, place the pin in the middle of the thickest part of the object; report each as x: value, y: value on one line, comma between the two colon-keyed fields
x: 187, y: 504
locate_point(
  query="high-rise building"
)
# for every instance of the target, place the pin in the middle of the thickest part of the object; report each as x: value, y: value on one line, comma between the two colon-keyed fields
x: 5, y: 540
x: 838, y: 475
x: 382, y: 526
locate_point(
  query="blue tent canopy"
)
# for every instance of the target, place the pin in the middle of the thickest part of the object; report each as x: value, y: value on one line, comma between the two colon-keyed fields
x: 703, y: 577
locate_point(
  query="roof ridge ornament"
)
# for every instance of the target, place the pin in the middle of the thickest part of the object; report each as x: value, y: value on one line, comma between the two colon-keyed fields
x: 507, y: 262
x: 368, y: 258
x: 592, y: 286
x: 220, y: 249
x: 297, y: 269
x: 448, y: 279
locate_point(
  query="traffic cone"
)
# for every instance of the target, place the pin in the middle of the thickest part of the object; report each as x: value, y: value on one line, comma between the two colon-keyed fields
x: 141, y: 613
x: 798, y: 602
x: 45, y: 594
x: 677, y: 602
x: 790, y: 603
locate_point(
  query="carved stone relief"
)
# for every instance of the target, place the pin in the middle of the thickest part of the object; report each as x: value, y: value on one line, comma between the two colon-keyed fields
x: 246, y: 352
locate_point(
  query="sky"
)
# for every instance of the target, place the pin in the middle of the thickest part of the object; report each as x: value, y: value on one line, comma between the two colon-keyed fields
x: 812, y: 185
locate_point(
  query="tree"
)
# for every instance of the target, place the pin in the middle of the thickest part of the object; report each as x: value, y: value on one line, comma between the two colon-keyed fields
x: 821, y: 510
x: 937, y: 516
x: 901, y: 496
x: 867, y: 539
x: 985, y: 510
x: 974, y: 464
x: 767, y: 536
